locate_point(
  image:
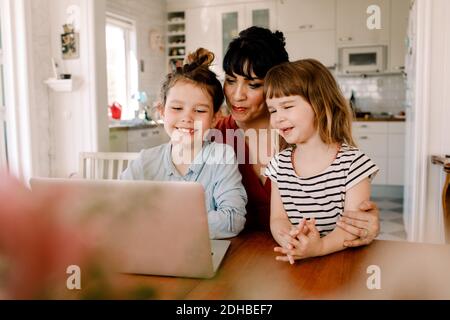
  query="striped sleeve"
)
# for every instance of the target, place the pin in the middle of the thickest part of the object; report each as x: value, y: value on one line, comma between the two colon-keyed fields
x: 272, y: 169
x: 360, y: 168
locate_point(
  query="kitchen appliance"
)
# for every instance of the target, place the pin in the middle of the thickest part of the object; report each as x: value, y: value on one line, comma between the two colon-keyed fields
x: 366, y: 59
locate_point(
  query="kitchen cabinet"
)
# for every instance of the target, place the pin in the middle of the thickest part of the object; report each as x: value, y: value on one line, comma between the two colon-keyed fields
x: 319, y: 45
x: 139, y: 139
x: 136, y: 139
x: 351, y: 23
x: 384, y: 143
x: 213, y: 27
x: 399, y: 26
x: 118, y: 140
x: 309, y: 28
x: 306, y: 15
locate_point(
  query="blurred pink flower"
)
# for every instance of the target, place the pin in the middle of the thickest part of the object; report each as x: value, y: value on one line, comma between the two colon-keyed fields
x: 37, y: 246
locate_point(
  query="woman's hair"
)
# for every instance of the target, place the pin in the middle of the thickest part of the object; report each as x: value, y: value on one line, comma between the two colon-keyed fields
x: 311, y: 80
x: 256, y: 49
x: 196, y: 71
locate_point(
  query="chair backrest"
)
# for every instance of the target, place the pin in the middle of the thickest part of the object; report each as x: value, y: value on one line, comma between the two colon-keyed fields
x: 104, y: 165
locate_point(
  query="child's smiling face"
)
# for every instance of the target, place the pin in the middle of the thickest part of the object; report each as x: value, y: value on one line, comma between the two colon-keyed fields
x: 293, y: 117
x: 188, y: 112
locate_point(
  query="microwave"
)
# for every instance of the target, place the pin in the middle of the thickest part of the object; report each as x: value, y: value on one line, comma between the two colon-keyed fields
x: 370, y: 59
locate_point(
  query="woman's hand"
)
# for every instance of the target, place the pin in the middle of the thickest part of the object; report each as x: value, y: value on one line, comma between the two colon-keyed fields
x: 365, y: 224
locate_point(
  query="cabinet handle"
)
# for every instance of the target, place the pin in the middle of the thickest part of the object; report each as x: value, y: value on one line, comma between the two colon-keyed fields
x: 345, y: 39
x: 156, y: 132
x: 144, y: 134
x: 310, y: 26
x: 363, y: 126
x: 303, y: 26
x: 363, y: 138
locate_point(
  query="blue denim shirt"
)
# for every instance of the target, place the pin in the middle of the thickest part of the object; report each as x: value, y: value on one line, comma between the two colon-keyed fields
x: 215, y: 167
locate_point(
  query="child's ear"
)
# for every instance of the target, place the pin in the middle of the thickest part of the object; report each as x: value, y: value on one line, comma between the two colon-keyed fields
x: 215, y: 119
x: 159, y: 108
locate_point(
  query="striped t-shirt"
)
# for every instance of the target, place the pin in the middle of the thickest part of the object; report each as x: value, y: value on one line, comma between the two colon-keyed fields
x: 321, y: 196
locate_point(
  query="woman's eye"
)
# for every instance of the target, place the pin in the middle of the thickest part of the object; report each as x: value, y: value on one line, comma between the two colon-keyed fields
x: 230, y: 81
x: 255, y: 85
x: 176, y: 108
x: 272, y: 111
x: 288, y: 107
x: 200, y: 111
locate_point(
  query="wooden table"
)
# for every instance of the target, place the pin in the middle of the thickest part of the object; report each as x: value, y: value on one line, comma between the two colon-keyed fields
x: 250, y: 271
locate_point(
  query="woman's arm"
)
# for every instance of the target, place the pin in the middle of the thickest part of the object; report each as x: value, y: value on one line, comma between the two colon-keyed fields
x: 363, y: 223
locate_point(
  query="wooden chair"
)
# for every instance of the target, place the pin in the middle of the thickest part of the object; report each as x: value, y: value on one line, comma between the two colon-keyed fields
x: 104, y: 165
x: 445, y: 162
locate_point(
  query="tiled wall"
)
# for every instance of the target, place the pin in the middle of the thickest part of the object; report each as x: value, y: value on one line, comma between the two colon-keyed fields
x: 376, y: 93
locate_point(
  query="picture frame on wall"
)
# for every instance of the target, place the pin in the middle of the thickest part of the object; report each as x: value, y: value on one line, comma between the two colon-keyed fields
x: 70, y: 43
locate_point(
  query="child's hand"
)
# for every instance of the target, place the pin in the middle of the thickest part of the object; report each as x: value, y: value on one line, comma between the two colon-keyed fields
x: 301, y: 245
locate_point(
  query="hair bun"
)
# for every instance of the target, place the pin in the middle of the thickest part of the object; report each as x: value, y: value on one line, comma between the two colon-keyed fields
x: 280, y: 36
x: 200, y: 58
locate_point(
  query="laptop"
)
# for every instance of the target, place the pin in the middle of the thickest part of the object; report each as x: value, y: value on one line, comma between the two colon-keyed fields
x: 156, y: 228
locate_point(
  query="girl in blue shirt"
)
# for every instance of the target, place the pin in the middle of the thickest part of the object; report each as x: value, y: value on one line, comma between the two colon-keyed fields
x: 191, y: 97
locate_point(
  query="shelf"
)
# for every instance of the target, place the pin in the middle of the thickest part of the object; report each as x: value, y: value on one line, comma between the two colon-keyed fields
x: 176, y: 57
x: 171, y: 23
x: 177, y: 45
x: 174, y: 34
x: 60, y: 85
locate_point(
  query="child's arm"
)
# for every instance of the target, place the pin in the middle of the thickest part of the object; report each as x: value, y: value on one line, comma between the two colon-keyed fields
x: 279, y: 221
x: 229, y: 197
x: 311, y: 245
x: 334, y: 241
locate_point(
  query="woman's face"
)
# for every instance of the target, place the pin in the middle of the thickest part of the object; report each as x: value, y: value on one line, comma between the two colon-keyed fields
x: 245, y: 97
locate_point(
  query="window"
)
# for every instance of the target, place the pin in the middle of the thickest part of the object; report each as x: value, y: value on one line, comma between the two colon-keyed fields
x: 3, y: 145
x: 122, y: 67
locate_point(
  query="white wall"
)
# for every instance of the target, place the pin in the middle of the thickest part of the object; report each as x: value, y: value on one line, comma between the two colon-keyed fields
x: 439, y: 115
x: 430, y: 117
x: 63, y: 124
x: 148, y: 15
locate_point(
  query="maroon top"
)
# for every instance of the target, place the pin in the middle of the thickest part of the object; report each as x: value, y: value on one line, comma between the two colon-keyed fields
x: 258, y: 206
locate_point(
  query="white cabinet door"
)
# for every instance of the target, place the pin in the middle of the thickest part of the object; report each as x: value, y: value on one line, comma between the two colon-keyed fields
x: 382, y: 175
x: 261, y: 14
x: 374, y: 144
x: 202, y: 31
x: 303, y: 15
x: 396, y: 145
x: 351, y: 23
x: 319, y: 45
x: 399, y: 26
x: 118, y: 140
x: 139, y: 139
x: 396, y: 171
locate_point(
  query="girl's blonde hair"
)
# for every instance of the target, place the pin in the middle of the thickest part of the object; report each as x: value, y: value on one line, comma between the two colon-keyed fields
x: 311, y: 80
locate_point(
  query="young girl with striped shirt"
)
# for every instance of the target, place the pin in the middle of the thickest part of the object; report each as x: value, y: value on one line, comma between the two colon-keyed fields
x: 322, y: 173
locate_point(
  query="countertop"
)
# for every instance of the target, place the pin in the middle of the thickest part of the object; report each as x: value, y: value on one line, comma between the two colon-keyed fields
x: 373, y: 119
x: 134, y: 124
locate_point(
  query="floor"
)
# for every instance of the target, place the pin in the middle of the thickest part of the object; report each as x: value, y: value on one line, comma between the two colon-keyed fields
x: 391, y: 219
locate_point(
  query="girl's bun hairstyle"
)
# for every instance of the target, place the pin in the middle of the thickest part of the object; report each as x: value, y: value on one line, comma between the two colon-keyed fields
x: 196, y: 71
x: 200, y: 58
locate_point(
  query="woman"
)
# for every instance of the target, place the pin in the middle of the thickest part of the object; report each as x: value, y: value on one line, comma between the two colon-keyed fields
x: 247, y: 60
